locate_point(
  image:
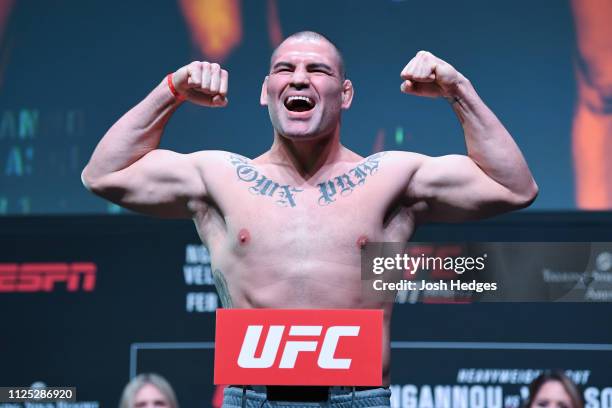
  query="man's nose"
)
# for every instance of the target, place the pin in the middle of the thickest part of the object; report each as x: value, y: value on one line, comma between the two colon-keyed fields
x: 300, y: 79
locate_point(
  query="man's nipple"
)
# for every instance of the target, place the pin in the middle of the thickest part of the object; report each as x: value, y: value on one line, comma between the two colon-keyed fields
x: 243, y: 236
x: 362, y: 241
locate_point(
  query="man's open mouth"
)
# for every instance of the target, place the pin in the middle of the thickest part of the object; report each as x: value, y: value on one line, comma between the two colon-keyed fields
x: 299, y: 103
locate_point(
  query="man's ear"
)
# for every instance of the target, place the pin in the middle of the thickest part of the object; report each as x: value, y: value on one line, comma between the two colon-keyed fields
x: 347, y: 94
x: 263, y: 99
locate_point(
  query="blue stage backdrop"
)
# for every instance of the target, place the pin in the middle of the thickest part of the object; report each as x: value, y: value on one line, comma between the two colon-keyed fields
x: 69, y: 69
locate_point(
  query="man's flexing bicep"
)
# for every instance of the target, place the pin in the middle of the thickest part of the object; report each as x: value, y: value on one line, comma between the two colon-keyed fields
x: 494, y: 176
x: 127, y: 167
x: 453, y: 188
x: 161, y: 183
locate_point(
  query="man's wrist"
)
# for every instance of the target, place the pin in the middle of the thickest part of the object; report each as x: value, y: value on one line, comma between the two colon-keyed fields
x: 170, y: 84
x: 459, y: 90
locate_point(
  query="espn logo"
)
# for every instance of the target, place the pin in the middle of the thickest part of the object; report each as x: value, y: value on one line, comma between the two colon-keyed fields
x: 298, y: 347
x: 292, y: 348
x: 43, y: 276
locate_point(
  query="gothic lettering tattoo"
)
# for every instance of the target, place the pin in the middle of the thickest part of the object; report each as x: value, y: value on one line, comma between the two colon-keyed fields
x: 222, y: 290
x: 347, y: 182
x: 261, y: 185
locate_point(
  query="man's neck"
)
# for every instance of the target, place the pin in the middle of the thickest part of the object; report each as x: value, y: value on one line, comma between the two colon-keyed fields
x: 306, y: 157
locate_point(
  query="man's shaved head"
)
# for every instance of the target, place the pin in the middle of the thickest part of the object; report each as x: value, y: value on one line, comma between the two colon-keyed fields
x: 305, y: 90
x: 313, y: 36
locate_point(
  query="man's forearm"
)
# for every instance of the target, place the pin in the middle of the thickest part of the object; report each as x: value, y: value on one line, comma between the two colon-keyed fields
x: 134, y: 135
x: 488, y: 142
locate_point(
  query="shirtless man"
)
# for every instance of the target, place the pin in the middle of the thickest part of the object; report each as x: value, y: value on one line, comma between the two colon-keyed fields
x: 285, y: 229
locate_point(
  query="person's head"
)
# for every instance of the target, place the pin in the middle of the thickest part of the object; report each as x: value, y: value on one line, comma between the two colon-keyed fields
x: 554, y: 389
x: 148, y: 391
x: 306, y: 90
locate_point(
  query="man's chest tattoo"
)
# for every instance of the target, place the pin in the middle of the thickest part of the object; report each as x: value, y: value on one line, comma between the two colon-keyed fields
x: 284, y: 195
x: 345, y: 183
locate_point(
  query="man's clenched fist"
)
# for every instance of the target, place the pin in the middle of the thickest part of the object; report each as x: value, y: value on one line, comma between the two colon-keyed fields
x: 428, y: 75
x: 203, y: 83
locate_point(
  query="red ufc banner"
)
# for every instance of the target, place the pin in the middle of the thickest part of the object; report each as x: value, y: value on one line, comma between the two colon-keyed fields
x: 298, y: 347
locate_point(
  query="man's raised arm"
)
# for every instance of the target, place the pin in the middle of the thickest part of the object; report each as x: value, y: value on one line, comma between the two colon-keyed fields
x: 127, y: 167
x: 492, y: 178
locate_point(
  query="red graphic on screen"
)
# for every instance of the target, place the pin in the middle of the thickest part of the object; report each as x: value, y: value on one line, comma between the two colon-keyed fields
x: 47, y: 277
x: 217, y: 399
x: 274, y: 27
x: 215, y: 25
x: 379, y: 141
x: 439, y: 251
x: 6, y: 6
x: 592, y: 128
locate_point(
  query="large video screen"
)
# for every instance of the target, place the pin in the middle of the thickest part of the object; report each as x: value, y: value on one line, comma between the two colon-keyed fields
x: 69, y: 69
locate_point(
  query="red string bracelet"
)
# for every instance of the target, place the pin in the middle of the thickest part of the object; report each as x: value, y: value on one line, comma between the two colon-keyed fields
x: 172, y: 88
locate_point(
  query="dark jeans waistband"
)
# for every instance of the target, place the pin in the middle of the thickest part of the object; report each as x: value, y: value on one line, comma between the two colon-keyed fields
x: 301, y: 393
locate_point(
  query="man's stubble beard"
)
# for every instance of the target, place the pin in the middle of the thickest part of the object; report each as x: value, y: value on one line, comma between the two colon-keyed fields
x: 313, y: 133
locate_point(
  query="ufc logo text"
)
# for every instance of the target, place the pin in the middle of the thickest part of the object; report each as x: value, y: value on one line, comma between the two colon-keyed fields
x: 292, y: 348
x: 298, y: 347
